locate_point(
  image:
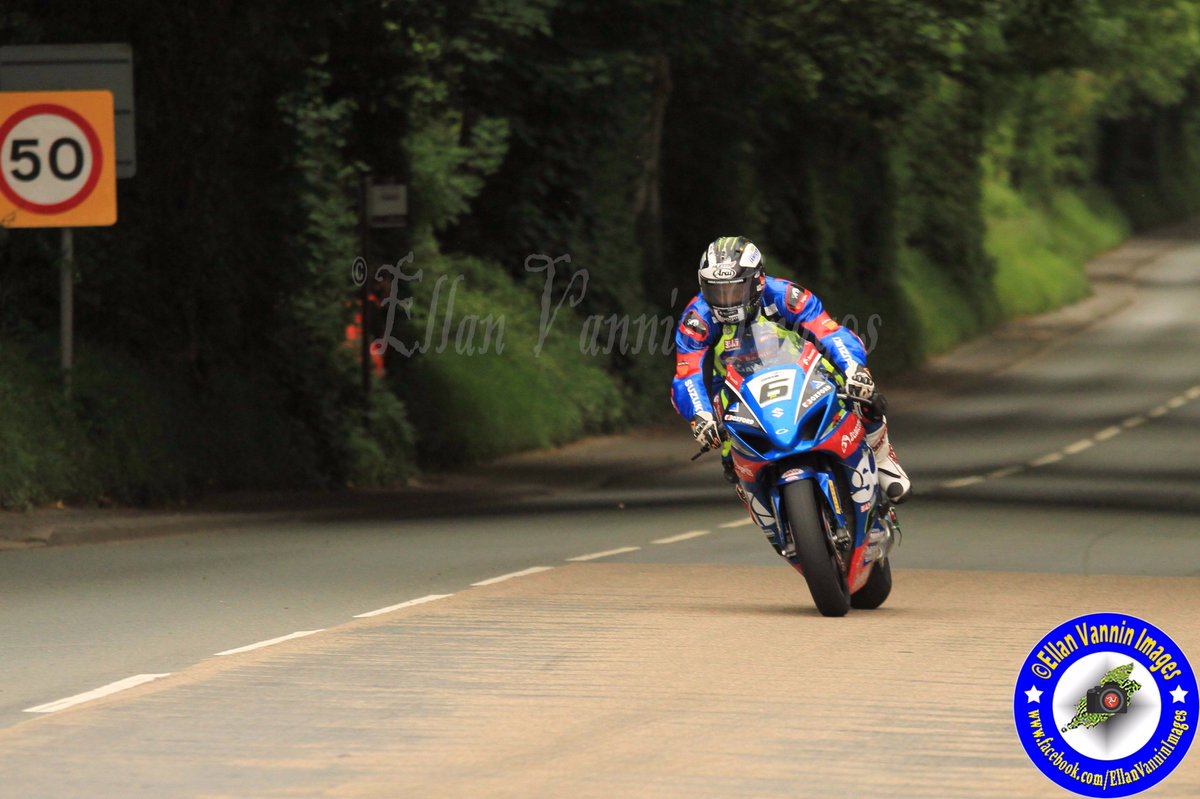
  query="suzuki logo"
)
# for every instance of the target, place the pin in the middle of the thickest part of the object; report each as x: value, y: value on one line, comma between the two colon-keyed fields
x: 777, y: 413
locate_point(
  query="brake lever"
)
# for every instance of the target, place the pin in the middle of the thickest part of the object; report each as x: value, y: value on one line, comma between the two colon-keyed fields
x: 877, y: 404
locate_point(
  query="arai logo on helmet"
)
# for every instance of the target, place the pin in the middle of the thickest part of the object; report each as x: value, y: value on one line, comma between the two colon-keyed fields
x: 726, y: 270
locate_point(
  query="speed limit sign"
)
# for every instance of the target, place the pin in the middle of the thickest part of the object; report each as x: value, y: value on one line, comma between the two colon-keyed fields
x: 57, y: 159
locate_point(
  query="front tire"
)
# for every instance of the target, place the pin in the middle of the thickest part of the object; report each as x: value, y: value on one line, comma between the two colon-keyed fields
x: 813, y: 536
x: 876, y: 591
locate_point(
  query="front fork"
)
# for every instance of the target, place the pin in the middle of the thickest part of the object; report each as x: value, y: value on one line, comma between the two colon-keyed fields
x: 764, y: 502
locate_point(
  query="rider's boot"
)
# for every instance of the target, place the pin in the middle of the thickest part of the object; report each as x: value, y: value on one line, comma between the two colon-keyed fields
x: 892, y: 478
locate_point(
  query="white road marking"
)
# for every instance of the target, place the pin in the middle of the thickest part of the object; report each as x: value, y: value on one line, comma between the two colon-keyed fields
x: 111, y: 688
x: 672, y: 539
x: 1079, y: 446
x: 738, y: 523
x: 1046, y: 460
x: 605, y: 553
x: 522, y: 573
x: 269, y: 642
x: 1074, y: 449
x: 408, y: 604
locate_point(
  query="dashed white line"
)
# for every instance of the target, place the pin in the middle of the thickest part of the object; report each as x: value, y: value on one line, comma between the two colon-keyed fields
x: 269, y: 642
x: 1079, y: 446
x: 738, y: 523
x: 107, y: 690
x: 963, y: 482
x: 1107, y: 433
x: 606, y: 553
x: 408, y: 604
x: 522, y: 573
x: 674, y: 539
x: 1046, y: 460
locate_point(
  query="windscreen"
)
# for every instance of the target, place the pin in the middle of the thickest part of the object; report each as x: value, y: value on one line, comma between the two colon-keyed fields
x: 762, y: 346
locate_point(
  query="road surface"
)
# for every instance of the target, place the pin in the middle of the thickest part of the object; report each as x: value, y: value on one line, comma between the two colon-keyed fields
x: 644, y: 640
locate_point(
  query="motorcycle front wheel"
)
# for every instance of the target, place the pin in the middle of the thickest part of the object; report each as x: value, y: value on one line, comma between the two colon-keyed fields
x: 877, y: 589
x: 812, y: 533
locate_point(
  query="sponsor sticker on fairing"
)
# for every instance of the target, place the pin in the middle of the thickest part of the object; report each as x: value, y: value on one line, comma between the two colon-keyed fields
x: 822, y: 390
x: 734, y: 418
x: 849, y: 440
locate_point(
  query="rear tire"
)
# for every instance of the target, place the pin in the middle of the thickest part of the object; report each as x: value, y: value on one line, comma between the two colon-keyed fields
x: 814, y: 548
x: 876, y: 591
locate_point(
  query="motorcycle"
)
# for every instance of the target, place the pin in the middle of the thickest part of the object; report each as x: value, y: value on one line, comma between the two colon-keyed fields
x: 799, y: 451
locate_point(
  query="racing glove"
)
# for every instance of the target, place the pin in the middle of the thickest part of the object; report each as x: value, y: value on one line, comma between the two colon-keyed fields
x: 859, y: 383
x: 705, y: 430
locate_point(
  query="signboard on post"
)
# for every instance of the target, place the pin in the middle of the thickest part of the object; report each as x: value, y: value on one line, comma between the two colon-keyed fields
x: 79, y: 67
x: 387, y: 203
x: 57, y: 160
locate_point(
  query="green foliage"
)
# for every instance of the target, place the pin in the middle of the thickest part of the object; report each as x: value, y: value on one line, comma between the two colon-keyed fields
x: 382, y: 449
x: 938, y: 163
x: 943, y: 316
x: 1040, y: 247
x: 132, y: 435
x: 38, y: 435
x: 480, y: 385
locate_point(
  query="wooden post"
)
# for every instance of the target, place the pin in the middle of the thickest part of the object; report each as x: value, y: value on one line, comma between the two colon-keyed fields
x: 66, y: 287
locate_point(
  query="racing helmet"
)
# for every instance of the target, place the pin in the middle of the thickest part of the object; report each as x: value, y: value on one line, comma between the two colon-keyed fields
x: 732, y: 279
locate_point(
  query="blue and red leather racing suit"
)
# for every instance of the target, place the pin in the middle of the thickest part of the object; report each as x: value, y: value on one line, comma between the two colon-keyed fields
x: 782, y: 301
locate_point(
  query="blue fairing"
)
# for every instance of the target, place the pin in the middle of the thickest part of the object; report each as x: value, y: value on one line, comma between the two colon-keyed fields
x: 781, y: 416
x: 789, y: 428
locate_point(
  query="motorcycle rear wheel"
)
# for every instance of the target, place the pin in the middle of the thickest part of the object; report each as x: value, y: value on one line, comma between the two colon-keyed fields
x: 813, y: 536
x: 876, y: 591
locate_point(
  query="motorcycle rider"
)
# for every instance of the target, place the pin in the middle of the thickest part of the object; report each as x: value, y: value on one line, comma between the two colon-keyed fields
x: 734, y: 291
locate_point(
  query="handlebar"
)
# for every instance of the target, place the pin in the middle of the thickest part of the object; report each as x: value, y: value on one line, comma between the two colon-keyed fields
x: 873, y: 408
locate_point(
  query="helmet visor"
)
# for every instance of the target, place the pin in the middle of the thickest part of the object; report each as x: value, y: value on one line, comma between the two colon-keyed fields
x: 727, y: 294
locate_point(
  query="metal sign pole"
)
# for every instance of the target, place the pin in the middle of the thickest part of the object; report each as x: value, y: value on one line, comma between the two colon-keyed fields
x: 66, y: 284
x: 365, y: 291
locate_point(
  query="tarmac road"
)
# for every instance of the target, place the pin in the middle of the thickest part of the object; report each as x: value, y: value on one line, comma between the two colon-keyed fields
x: 650, y: 644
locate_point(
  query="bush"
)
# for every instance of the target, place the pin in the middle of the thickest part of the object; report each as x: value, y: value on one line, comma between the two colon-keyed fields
x: 476, y: 397
x: 1040, y: 248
